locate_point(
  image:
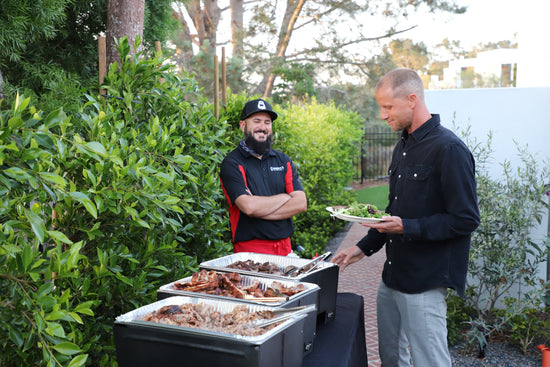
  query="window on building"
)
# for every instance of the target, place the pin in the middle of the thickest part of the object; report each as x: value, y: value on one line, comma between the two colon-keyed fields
x: 508, y: 75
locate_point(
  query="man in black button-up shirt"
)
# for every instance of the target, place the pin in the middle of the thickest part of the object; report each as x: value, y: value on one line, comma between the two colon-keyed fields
x: 433, y: 208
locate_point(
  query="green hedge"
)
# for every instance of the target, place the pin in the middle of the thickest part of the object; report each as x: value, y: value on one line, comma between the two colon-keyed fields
x: 132, y: 179
x: 321, y: 139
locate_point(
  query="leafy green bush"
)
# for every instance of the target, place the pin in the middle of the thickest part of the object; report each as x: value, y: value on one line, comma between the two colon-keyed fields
x: 504, y: 258
x: 59, y: 88
x: 100, y: 208
x: 320, y: 138
x: 41, y: 40
x: 530, y: 328
x: 458, y: 315
x: 314, y: 229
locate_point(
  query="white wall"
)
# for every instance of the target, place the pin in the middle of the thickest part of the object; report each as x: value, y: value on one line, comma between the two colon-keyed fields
x: 520, y: 114
x: 511, y: 114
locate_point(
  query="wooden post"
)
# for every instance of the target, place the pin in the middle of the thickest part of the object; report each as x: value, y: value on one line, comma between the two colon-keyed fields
x: 54, y: 218
x: 216, y: 88
x: 224, y: 79
x: 158, y: 50
x: 102, y: 50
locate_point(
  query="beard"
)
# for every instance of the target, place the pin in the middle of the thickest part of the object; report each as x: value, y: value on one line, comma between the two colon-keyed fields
x: 260, y: 147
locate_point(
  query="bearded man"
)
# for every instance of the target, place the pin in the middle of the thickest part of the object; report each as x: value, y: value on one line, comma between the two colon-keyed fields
x: 262, y: 186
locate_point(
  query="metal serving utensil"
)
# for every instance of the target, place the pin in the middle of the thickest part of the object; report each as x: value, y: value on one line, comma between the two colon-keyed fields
x: 323, y: 257
x: 315, y: 262
x: 288, y: 313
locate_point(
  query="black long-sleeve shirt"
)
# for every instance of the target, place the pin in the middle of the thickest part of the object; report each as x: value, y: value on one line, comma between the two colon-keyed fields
x: 433, y: 190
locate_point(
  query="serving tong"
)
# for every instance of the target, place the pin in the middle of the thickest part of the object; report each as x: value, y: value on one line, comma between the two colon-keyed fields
x: 287, y: 313
x: 291, y: 269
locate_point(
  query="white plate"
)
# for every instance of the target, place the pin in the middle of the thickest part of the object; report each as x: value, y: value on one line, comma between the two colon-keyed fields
x: 352, y: 218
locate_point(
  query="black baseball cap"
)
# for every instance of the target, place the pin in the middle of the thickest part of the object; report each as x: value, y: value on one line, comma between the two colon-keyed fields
x: 255, y: 106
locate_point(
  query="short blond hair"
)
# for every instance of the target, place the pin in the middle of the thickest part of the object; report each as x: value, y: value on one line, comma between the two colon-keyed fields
x: 403, y: 82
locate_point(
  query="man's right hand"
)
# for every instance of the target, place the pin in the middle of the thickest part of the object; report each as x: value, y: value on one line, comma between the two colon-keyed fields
x: 347, y: 257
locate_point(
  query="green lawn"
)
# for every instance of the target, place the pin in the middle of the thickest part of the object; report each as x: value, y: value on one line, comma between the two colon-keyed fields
x: 377, y: 195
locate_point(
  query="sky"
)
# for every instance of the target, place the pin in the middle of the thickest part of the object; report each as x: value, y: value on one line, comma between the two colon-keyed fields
x: 484, y: 21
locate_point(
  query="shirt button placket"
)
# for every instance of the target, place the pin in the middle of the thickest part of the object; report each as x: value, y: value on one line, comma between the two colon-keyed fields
x: 399, y: 176
x: 265, y: 172
x: 389, y: 261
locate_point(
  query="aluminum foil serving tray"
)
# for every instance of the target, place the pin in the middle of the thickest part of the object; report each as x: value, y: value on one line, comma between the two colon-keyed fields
x: 170, y: 289
x: 325, y: 275
x: 143, y: 343
x: 308, y: 296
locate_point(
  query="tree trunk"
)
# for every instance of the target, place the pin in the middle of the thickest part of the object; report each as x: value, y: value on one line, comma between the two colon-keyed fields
x: 184, y: 42
x: 212, y: 15
x: 205, y: 20
x: 293, y: 9
x: 124, y: 19
x: 237, y: 32
x: 195, y: 13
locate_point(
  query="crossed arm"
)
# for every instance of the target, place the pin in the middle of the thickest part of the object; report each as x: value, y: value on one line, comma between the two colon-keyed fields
x: 275, y: 207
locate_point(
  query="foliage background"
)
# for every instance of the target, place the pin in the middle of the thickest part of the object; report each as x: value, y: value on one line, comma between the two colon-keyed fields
x: 503, y: 273
x: 49, y: 49
x: 321, y: 140
x: 100, y: 208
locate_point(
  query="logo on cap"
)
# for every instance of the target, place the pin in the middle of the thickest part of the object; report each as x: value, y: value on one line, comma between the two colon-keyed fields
x: 257, y: 105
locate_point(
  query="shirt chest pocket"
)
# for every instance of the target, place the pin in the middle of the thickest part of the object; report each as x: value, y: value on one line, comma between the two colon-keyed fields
x: 419, y: 181
x: 418, y: 173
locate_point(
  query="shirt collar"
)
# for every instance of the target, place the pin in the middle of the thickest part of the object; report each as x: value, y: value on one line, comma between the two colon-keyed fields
x: 424, y: 129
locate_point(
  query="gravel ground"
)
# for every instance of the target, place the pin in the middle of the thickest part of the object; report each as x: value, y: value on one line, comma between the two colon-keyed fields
x: 499, y: 354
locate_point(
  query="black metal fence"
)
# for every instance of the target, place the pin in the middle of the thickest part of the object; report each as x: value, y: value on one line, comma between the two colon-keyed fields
x: 374, y: 153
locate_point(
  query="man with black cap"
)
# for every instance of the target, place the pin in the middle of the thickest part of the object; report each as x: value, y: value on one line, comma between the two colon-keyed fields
x: 262, y: 186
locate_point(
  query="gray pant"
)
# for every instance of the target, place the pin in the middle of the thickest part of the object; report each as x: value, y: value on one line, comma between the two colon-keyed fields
x: 418, y: 321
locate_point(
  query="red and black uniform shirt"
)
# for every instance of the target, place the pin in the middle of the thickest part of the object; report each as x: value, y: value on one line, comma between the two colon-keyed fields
x: 273, y: 174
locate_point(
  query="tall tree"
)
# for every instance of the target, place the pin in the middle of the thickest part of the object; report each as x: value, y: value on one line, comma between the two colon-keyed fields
x: 125, y: 18
x: 237, y: 32
x: 205, y: 16
x: 409, y: 54
x: 328, y: 34
x: 293, y: 9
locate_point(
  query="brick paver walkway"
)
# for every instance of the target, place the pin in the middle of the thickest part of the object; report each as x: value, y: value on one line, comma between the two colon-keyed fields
x: 363, y: 278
